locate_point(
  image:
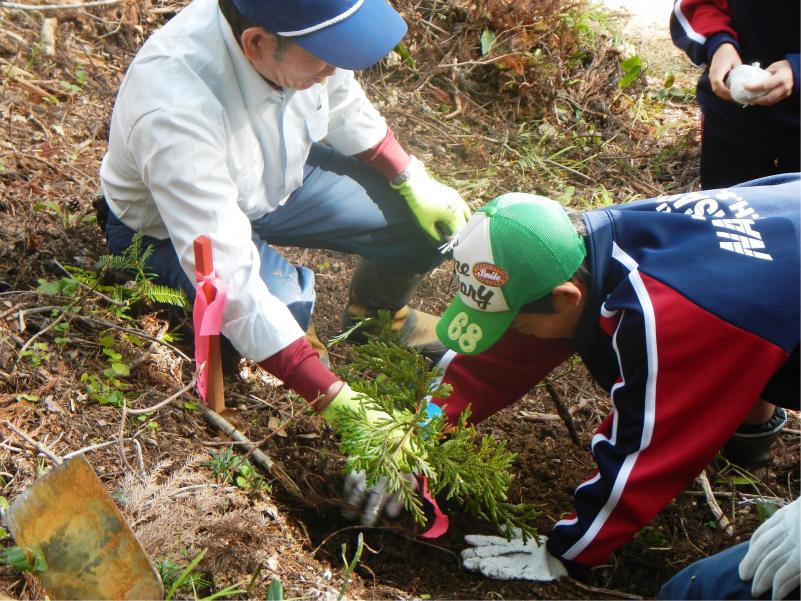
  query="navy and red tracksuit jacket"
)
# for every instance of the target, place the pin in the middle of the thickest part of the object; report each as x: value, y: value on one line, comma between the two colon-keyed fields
x: 692, y: 308
x: 764, y: 32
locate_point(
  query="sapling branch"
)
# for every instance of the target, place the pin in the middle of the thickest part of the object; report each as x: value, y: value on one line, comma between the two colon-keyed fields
x: 467, y: 468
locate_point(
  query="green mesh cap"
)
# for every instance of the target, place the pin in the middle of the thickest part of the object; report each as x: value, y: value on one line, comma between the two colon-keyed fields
x: 514, y: 250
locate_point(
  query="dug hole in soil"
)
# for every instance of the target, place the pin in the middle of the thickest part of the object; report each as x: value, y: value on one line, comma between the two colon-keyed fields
x: 467, y: 124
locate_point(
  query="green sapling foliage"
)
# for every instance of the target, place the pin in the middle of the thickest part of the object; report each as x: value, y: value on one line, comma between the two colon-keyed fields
x: 460, y: 464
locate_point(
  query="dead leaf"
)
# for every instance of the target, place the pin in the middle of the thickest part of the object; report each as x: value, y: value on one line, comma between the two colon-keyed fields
x: 274, y: 424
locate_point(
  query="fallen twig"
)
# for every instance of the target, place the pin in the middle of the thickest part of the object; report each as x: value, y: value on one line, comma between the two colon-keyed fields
x: 94, y: 447
x: 563, y: 412
x: 166, y: 401
x: 259, y: 457
x: 703, y: 480
x: 36, y: 444
x: 42, y: 7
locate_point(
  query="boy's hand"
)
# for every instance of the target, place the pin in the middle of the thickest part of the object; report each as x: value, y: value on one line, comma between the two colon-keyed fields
x: 778, y: 87
x: 724, y: 60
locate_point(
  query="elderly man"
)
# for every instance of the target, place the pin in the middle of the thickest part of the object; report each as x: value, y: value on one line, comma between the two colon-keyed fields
x: 218, y: 130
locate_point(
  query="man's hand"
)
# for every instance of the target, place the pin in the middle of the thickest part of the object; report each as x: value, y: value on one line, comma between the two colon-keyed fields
x: 773, y: 554
x: 496, y: 557
x: 367, y: 503
x: 778, y: 87
x: 724, y: 60
x: 349, y: 399
x: 439, y: 209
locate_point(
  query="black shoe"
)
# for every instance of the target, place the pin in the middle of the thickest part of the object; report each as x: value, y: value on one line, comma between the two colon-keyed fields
x: 749, y: 446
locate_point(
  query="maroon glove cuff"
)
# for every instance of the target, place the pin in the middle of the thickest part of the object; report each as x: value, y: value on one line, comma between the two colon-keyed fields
x: 299, y: 367
x: 387, y: 157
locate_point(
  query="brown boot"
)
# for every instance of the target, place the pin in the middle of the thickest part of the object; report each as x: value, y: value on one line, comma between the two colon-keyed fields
x: 317, y: 345
x: 374, y: 289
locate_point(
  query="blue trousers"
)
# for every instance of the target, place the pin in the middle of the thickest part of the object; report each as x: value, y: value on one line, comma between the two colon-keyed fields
x: 343, y: 205
x: 715, y: 577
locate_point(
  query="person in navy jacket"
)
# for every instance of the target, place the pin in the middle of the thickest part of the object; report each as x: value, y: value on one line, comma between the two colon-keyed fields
x: 684, y: 308
x: 743, y: 143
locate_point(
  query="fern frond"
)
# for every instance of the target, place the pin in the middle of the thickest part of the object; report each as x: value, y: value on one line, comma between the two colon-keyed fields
x: 166, y: 295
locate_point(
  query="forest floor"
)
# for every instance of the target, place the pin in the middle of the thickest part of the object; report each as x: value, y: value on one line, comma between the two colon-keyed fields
x: 579, y: 138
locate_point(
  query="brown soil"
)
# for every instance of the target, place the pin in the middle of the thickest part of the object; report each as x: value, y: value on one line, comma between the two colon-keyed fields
x: 467, y: 123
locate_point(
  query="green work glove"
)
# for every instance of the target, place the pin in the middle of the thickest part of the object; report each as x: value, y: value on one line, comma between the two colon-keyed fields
x: 439, y: 209
x: 347, y: 398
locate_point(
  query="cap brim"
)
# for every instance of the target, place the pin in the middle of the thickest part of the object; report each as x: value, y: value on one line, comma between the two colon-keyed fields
x: 469, y: 331
x: 359, y: 41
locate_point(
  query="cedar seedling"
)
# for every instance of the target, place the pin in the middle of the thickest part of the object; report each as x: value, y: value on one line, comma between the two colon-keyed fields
x: 465, y: 467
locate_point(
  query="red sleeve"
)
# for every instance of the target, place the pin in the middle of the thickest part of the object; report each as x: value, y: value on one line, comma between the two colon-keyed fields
x: 491, y: 380
x: 298, y: 366
x: 687, y: 380
x: 694, y: 23
x: 387, y: 157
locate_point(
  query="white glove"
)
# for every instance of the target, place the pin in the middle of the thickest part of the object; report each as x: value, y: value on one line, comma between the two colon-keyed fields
x: 773, y: 559
x: 496, y: 557
x: 367, y: 503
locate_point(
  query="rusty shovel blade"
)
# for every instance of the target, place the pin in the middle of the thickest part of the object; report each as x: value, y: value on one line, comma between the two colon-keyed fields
x: 91, y: 551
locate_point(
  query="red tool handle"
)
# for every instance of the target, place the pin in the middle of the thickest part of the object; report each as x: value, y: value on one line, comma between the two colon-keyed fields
x: 204, y: 265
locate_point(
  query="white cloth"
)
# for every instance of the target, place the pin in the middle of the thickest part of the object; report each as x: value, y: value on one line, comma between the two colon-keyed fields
x: 200, y: 143
x: 773, y: 560
x: 497, y: 557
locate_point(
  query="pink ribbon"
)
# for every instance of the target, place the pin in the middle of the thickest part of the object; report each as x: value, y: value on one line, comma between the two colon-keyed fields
x: 207, y: 318
x: 441, y: 521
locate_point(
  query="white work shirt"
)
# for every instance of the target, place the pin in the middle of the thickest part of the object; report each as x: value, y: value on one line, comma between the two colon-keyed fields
x: 200, y: 144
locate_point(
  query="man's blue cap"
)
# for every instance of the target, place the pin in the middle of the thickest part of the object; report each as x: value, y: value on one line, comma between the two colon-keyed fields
x: 349, y: 34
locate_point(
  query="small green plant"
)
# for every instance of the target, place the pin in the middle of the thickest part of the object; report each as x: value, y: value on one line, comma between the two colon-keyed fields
x: 3, y: 508
x: 78, y: 81
x: 175, y: 579
x: 36, y: 53
x: 487, y: 41
x: 350, y: 566
x: 653, y: 537
x: 235, y: 469
x: 25, y: 559
x: 110, y: 387
x: 38, y: 353
x: 470, y: 469
x: 632, y: 68
x: 275, y: 592
x: 170, y: 571
x: 765, y: 509
x: 80, y: 75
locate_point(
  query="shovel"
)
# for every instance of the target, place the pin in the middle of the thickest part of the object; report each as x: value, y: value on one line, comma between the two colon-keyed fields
x: 91, y: 551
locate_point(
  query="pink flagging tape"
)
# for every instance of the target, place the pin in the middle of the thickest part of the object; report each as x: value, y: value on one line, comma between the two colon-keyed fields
x: 207, y: 318
x: 441, y: 521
